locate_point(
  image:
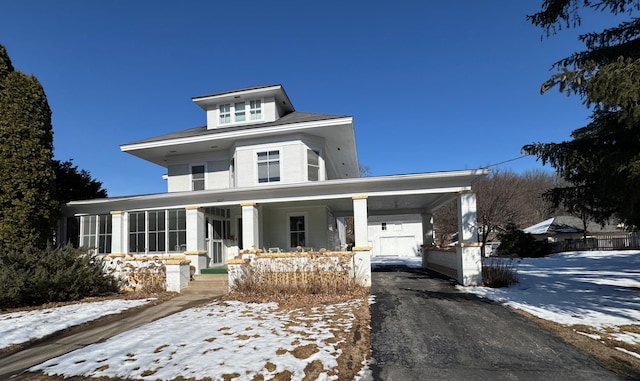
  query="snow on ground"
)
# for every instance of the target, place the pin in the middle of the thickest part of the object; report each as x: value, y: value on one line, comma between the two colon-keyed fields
x: 600, y: 289
x: 217, y: 339
x: 20, y: 327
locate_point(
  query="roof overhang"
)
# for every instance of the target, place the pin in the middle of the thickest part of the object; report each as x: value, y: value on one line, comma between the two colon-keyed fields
x: 397, y: 194
x: 338, y: 134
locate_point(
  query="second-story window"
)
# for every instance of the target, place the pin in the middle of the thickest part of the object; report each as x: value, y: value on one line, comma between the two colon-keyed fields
x: 268, y: 166
x: 225, y: 113
x: 255, y: 110
x: 197, y: 177
x: 239, y: 114
x: 313, y: 166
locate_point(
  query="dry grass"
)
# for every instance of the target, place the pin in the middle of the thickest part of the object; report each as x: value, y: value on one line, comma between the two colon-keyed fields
x: 498, y: 272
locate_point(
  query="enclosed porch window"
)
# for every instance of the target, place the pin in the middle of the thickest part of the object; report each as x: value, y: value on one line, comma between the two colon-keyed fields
x: 157, y: 231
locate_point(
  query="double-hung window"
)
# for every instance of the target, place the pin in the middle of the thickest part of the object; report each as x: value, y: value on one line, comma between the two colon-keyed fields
x: 313, y: 165
x: 197, y: 177
x: 297, y: 231
x: 239, y: 112
x: 268, y: 166
x: 255, y: 112
x: 225, y: 113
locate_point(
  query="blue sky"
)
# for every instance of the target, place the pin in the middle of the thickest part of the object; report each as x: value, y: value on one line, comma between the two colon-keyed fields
x: 432, y: 86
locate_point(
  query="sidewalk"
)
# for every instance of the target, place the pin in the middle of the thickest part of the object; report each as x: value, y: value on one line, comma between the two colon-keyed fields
x: 15, y: 363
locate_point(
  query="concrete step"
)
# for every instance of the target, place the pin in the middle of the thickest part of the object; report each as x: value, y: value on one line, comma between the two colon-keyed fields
x: 208, y: 284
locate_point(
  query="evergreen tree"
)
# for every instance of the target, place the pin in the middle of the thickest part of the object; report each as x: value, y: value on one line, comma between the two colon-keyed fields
x: 602, y: 161
x: 28, y: 205
x: 76, y: 184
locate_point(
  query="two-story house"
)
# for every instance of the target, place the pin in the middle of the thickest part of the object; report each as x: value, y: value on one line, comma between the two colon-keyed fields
x: 262, y: 175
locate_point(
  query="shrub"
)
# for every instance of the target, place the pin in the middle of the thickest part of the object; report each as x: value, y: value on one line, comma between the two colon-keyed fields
x: 499, y: 272
x: 51, y: 275
x: 516, y: 243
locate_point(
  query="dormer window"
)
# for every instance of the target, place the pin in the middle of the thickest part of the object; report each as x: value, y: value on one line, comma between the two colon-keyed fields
x: 237, y: 112
x: 225, y: 113
x: 256, y: 109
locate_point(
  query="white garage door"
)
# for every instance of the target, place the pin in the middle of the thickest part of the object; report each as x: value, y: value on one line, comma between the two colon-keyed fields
x: 397, y: 246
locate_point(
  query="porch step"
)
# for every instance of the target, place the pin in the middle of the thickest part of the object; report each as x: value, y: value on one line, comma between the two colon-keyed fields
x: 208, y: 285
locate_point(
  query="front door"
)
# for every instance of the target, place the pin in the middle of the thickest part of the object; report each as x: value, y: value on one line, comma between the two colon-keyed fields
x: 216, y: 243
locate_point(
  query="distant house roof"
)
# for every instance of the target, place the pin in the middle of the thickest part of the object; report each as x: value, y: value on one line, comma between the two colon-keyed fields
x: 567, y: 225
x: 292, y: 118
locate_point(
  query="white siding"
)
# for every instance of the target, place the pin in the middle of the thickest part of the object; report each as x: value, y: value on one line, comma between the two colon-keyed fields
x: 402, y: 237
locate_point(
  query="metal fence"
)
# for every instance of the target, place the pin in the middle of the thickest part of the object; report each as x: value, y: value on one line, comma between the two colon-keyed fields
x: 625, y: 241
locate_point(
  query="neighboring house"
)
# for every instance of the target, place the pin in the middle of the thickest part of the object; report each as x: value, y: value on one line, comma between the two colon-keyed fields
x: 568, y: 233
x: 261, y: 175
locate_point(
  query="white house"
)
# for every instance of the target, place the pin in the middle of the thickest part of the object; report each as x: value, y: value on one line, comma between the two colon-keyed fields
x: 262, y: 175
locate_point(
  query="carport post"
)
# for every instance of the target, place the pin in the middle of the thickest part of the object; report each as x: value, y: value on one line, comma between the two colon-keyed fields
x: 362, y: 250
x: 469, y: 262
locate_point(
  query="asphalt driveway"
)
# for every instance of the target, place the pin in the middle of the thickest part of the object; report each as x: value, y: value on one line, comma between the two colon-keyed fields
x: 422, y: 328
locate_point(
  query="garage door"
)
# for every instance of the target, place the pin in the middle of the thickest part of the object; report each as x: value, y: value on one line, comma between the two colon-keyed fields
x: 397, y: 246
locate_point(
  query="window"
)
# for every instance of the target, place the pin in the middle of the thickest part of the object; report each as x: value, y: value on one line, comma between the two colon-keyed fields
x: 296, y: 231
x: 177, y: 230
x: 239, y: 112
x: 313, y: 166
x: 255, y: 112
x: 197, y: 177
x: 104, y: 234
x: 268, y: 166
x: 157, y: 231
x: 225, y: 113
x: 95, y: 233
x: 137, y: 229
x: 384, y: 226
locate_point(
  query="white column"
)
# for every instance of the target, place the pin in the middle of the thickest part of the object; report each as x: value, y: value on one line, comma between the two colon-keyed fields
x: 362, y: 250
x: 250, y: 226
x: 360, y: 223
x: 467, y: 225
x: 117, y: 231
x: 342, y: 231
x: 195, y: 229
x: 469, y: 260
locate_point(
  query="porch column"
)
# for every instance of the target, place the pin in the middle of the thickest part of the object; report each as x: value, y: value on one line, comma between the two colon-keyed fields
x: 362, y: 250
x: 342, y: 231
x: 250, y: 226
x: 117, y: 230
x: 427, y: 236
x: 468, y: 249
x: 196, y: 250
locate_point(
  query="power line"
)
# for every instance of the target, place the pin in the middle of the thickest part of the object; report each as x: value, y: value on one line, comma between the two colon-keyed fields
x: 503, y: 162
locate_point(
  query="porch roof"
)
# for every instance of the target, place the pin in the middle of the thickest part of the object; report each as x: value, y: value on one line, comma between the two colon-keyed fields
x: 394, y: 194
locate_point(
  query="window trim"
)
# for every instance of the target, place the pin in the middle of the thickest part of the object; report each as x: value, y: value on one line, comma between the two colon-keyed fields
x: 305, y: 217
x: 267, y: 161
x: 204, y: 175
x: 249, y: 113
x: 166, y: 232
x: 97, y: 235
